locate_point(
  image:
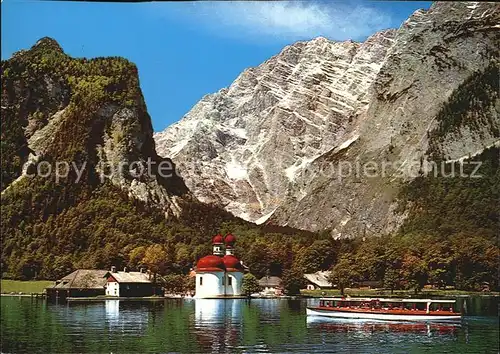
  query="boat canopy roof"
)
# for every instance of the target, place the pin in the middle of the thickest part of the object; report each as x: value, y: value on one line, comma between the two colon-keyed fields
x: 364, y: 299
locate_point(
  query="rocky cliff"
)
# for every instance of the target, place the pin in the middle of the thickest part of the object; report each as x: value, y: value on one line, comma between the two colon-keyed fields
x: 288, y: 142
x: 82, y: 122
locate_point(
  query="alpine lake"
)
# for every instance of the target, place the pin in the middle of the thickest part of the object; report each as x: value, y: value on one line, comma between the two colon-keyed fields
x: 30, y: 325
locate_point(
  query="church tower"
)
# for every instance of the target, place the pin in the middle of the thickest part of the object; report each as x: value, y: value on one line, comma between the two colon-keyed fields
x: 218, y: 245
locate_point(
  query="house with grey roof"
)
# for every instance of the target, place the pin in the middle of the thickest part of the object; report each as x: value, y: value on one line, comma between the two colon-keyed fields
x: 80, y: 283
x: 129, y: 284
x: 318, y: 280
x: 95, y: 282
x: 271, y: 285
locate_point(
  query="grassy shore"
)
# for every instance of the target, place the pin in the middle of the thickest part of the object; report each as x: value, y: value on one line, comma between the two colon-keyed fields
x: 25, y: 287
x: 38, y: 286
x: 397, y: 293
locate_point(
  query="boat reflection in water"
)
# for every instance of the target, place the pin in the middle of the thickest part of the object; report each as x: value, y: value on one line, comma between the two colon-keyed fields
x: 344, y: 325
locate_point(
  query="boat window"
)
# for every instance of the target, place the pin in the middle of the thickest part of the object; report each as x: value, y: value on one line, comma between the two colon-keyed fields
x: 321, y: 303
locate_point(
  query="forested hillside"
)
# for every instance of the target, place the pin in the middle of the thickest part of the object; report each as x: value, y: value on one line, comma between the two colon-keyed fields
x: 449, y: 238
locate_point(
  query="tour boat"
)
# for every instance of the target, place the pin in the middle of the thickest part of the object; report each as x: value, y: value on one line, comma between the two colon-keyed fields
x: 386, y: 309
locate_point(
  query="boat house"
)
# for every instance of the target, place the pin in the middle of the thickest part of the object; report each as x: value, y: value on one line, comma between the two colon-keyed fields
x: 80, y: 283
x: 128, y: 284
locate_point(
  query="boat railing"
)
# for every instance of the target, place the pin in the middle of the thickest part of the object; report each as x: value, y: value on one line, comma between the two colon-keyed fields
x: 426, y: 305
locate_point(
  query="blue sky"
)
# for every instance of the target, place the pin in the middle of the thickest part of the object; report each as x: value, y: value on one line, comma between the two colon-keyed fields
x: 185, y: 50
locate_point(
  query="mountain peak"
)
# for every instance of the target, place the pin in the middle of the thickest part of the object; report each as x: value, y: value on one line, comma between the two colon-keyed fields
x: 297, y: 102
x: 259, y: 148
x: 48, y: 43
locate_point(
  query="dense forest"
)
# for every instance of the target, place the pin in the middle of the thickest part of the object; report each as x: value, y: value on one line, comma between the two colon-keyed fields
x: 50, y: 228
x: 448, y: 240
x: 450, y: 237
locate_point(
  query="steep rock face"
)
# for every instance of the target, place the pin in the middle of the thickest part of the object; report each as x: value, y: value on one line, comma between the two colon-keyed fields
x: 89, y: 114
x: 272, y: 145
x: 243, y: 146
x: 433, y: 53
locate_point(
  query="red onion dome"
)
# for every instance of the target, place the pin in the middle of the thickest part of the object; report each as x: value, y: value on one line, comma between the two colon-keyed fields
x: 229, y: 240
x: 218, y: 239
x: 232, y: 263
x: 210, y: 263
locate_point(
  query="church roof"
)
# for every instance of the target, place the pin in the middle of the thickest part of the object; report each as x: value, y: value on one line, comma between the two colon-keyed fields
x: 218, y: 239
x: 229, y: 240
x: 232, y: 263
x: 210, y: 263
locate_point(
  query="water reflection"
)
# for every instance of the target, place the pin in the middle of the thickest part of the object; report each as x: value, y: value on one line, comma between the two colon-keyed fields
x: 222, y: 326
x: 370, y: 327
x: 216, y: 312
x: 216, y: 323
x: 112, y: 310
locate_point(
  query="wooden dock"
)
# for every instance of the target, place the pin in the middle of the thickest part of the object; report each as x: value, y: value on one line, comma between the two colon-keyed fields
x: 31, y: 295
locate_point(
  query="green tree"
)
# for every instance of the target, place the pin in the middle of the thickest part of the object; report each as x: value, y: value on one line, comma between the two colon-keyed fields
x: 318, y: 256
x: 183, y: 257
x: 62, y: 266
x: 293, y: 280
x: 344, y: 273
x: 174, y: 283
x: 438, y: 259
x: 476, y: 261
x: 135, y: 256
x: 155, y: 257
x: 414, y: 271
x: 391, y: 278
x: 369, y: 259
x: 190, y: 284
x: 257, y: 257
x: 250, y: 284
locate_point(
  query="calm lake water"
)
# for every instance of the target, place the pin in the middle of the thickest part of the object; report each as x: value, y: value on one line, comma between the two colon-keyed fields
x: 229, y: 326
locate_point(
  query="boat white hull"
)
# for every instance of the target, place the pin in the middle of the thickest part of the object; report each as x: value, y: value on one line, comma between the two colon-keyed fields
x: 380, y: 316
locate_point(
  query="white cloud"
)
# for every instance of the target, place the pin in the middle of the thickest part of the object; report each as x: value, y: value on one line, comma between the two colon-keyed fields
x: 291, y: 19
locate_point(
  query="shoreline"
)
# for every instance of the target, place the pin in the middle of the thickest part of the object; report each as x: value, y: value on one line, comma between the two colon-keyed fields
x: 298, y: 297
x: 401, y: 296
x: 36, y: 289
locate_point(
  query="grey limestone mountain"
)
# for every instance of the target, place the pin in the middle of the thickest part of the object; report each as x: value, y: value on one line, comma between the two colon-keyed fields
x: 288, y: 141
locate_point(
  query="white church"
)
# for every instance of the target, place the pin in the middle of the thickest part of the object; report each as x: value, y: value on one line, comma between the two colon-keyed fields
x: 221, y: 273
